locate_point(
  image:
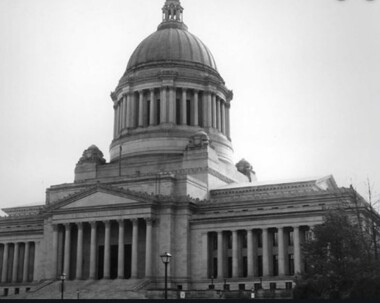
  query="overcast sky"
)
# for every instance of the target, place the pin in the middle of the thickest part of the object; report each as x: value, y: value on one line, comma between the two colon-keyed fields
x: 305, y: 76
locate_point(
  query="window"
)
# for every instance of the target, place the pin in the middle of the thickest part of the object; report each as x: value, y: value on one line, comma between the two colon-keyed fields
x: 290, y: 238
x: 275, y: 238
x: 291, y: 264
x: 241, y: 286
x: 178, y: 112
x: 272, y: 286
x: 288, y: 285
x: 275, y: 265
x: 215, y: 268
x: 245, y: 266
x: 214, y: 241
x: 244, y: 240
x: 229, y: 240
x: 188, y: 112
x: 257, y: 286
x: 260, y: 239
x: 260, y: 265
x: 229, y: 261
x: 158, y: 112
x: 148, y: 104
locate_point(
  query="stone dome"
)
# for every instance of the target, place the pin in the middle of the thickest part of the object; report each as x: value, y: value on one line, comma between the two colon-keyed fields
x: 172, y: 43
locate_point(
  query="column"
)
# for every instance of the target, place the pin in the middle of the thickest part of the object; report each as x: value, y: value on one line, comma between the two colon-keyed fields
x: 214, y: 111
x: 206, y: 97
x: 117, y: 119
x: 93, y: 251
x: 141, y: 109
x: 15, y: 262
x: 120, y: 253
x: 228, y: 129
x: 281, y: 252
x: 148, y: 248
x: 115, y: 122
x: 79, y: 250
x: 235, y: 266
x: 107, y: 248
x: 265, y: 252
x: 132, y: 113
x: 5, y: 263
x: 172, y: 105
x: 223, y: 118
x: 135, y: 250
x: 184, y: 107
x: 153, y: 107
x: 66, y: 262
x: 250, y: 260
x: 254, y: 253
x: 220, y: 255
x: 208, y: 101
x: 195, y: 119
x: 25, y: 272
x: 54, y: 251
x: 128, y: 123
x: 163, y: 116
x: 297, y: 250
x: 218, y: 122
x: 123, y: 114
x: 204, y: 257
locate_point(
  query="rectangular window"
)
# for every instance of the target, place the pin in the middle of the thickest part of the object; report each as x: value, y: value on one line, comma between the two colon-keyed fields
x: 290, y: 238
x: 244, y: 240
x: 229, y: 240
x: 241, y: 286
x: 257, y: 286
x: 188, y: 112
x: 275, y: 238
x: 260, y: 265
x: 178, y: 111
x: 275, y: 265
x: 260, y: 239
x: 148, y: 103
x: 158, y: 112
x: 288, y: 285
x: 291, y: 264
x: 215, y: 268
x: 214, y: 241
x: 272, y: 286
x: 229, y: 274
x: 245, y: 266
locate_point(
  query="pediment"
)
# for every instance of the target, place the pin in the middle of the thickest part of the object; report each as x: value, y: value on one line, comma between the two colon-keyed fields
x: 102, y: 196
x: 99, y: 199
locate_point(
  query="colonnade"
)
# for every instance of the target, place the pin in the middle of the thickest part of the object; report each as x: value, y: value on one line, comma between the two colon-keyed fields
x: 178, y: 106
x: 77, y: 248
x: 251, y: 253
x: 17, y: 262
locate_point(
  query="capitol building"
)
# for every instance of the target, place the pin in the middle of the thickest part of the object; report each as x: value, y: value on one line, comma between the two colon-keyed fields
x: 170, y: 186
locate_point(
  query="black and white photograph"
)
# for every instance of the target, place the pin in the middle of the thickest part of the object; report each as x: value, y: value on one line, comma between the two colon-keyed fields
x: 190, y: 149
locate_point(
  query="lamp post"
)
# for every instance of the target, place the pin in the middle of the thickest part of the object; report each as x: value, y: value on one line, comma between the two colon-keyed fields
x: 63, y: 278
x: 165, y: 257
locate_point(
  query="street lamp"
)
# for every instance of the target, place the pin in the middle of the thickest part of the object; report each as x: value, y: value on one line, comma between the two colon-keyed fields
x: 165, y: 257
x: 63, y: 278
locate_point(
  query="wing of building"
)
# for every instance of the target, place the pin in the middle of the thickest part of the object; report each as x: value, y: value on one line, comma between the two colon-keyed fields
x: 170, y: 186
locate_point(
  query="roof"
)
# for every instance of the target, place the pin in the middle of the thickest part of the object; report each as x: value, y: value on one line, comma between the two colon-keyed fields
x: 172, y: 44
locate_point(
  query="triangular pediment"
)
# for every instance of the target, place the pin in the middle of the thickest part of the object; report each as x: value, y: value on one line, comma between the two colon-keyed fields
x: 99, y: 199
x: 99, y: 196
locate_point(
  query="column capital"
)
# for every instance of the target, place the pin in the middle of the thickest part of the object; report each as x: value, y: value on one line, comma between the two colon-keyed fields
x: 134, y: 221
x: 93, y: 224
x: 107, y: 223
x: 55, y: 227
x: 67, y: 226
x: 79, y: 224
x: 152, y: 90
x: 120, y: 221
x: 184, y: 90
x: 149, y: 220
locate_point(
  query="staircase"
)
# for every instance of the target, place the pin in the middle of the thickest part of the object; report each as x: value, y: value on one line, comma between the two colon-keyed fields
x: 89, y: 289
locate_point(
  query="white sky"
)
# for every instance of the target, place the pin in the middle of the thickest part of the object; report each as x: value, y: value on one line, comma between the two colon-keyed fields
x: 305, y: 76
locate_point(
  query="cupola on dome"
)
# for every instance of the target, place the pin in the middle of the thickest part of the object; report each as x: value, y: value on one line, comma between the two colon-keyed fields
x: 172, y: 42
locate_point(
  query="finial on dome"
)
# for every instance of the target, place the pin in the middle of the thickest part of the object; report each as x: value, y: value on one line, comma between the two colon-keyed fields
x: 172, y: 11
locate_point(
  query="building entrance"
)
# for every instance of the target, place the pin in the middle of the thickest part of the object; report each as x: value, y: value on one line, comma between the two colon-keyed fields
x: 114, y: 261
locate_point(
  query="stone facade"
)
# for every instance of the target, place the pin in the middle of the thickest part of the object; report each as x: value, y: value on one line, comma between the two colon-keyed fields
x: 171, y: 185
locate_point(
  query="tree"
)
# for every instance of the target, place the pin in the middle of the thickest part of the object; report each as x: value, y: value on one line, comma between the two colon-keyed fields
x: 336, y: 259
